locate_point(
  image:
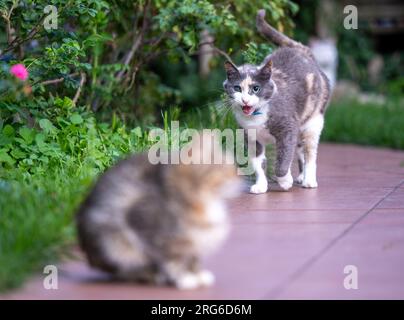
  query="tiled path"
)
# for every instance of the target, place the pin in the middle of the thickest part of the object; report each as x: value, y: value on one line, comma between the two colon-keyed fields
x: 292, y: 244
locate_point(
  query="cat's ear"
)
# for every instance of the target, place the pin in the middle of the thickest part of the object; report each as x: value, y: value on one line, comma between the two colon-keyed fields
x: 266, y: 71
x: 231, y: 71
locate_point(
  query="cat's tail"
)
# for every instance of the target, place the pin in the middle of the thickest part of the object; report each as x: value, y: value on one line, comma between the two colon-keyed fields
x: 275, y: 36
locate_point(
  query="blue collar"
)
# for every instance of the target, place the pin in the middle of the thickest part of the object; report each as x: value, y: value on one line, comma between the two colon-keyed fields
x: 256, y: 113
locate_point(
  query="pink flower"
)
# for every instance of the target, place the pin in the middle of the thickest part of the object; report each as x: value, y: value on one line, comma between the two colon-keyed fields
x: 19, y: 71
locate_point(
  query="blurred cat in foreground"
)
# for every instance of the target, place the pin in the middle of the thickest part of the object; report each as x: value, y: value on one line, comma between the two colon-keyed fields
x: 154, y: 223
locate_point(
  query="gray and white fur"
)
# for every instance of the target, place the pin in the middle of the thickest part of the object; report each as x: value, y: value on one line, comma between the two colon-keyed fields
x: 285, y: 97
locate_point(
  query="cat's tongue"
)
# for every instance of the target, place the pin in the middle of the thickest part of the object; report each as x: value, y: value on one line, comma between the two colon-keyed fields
x: 247, y: 109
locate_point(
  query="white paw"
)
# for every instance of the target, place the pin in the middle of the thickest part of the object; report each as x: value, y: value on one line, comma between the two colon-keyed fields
x: 188, y: 281
x: 206, y: 278
x: 310, y: 179
x: 300, y: 178
x: 259, y: 188
x: 285, y: 182
x: 309, y: 183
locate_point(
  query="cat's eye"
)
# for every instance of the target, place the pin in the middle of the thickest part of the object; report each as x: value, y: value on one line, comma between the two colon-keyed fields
x: 237, y: 88
x: 256, y: 89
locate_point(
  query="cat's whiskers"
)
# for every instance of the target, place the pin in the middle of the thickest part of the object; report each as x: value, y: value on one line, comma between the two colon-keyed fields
x: 226, y: 106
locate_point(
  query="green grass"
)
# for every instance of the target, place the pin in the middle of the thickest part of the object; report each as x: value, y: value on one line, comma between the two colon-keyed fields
x: 36, y: 223
x: 366, y: 124
x: 44, y: 174
x: 37, y: 217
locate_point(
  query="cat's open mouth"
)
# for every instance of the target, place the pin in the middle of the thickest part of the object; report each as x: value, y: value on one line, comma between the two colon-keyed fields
x: 247, y: 109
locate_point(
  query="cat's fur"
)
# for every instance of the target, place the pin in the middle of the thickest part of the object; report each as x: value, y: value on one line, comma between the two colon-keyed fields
x: 291, y: 102
x: 153, y: 223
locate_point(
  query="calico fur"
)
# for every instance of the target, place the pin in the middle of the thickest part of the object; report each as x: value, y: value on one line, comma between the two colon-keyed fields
x: 154, y: 223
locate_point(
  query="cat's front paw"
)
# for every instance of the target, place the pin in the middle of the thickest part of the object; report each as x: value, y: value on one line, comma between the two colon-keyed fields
x: 206, y: 278
x: 188, y: 281
x: 309, y: 183
x: 285, y: 182
x: 259, y: 188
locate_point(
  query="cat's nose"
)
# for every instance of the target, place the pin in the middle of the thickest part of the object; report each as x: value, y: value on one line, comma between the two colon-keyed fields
x: 245, y: 102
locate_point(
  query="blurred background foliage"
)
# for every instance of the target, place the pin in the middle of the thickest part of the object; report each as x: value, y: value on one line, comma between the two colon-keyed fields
x: 132, y: 59
x: 114, y: 65
x: 138, y: 57
x: 357, y: 48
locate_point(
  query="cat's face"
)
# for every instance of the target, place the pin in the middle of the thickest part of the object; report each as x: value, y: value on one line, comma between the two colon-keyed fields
x: 248, y: 87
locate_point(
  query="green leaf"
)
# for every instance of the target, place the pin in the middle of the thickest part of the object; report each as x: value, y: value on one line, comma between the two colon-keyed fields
x: 27, y: 134
x: 47, y: 126
x: 137, y: 131
x: 44, y: 159
x: 95, y: 39
x: 4, y: 157
x: 294, y: 8
x: 18, y: 154
x: 65, y: 103
x: 76, y: 119
x: 40, y: 142
x: 4, y: 140
x: 8, y: 131
x: 40, y: 139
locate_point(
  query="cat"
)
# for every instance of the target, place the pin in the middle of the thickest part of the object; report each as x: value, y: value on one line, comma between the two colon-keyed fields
x: 285, y: 97
x: 153, y: 223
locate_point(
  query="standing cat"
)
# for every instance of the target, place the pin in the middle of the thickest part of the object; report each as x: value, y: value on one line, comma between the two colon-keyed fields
x: 285, y: 97
x: 153, y: 223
